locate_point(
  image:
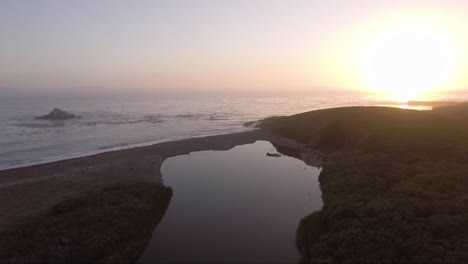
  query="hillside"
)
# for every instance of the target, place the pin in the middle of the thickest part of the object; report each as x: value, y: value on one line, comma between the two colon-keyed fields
x: 104, y: 224
x: 394, y: 185
x: 457, y: 111
x: 374, y: 129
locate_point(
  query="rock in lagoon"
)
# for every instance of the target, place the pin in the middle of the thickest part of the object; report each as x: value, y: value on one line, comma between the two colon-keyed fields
x: 58, y: 114
x: 276, y: 155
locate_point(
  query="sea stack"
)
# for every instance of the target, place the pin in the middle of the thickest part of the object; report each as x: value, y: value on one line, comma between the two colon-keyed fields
x: 58, y: 114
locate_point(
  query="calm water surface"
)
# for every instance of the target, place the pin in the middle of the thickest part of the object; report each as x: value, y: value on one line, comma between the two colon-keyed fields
x: 234, y: 206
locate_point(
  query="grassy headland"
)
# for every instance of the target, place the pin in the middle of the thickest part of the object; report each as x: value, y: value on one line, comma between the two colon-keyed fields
x: 394, y: 185
x: 110, y: 224
x: 456, y: 111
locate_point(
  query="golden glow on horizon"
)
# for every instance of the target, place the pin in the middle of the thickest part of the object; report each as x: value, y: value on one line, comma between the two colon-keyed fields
x: 393, y: 50
x: 412, y: 57
x: 406, y: 56
x: 410, y: 62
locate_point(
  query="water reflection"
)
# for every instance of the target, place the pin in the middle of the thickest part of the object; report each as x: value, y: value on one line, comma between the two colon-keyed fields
x: 234, y: 206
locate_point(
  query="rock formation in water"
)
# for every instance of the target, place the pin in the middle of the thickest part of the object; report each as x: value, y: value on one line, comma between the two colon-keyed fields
x: 276, y: 155
x: 58, y: 114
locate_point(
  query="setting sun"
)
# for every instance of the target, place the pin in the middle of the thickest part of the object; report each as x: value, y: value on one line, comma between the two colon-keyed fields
x: 215, y: 131
x: 410, y: 62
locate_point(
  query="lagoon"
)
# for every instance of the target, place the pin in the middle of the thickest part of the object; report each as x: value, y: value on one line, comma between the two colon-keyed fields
x: 238, y: 205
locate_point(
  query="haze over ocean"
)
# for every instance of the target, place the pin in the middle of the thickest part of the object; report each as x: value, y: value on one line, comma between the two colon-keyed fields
x: 115, y: 123
x: 273, y: 51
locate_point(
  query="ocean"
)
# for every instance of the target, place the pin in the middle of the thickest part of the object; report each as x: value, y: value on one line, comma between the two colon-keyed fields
x: 117, y: 123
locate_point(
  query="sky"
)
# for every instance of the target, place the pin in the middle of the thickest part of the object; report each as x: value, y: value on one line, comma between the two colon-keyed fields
x: 201, y: 46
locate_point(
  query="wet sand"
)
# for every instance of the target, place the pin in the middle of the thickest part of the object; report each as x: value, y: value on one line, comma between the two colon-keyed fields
x: 28, y: 190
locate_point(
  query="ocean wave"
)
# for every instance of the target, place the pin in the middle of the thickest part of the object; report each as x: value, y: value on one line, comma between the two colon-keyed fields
x: 41, y: 125
x: 189, y: 115
x: 85, y: 153
x: 152, y: 119
x: 103, y: 119
x: 216, y: 117
x: 114, y: 118
x: 125, y: 120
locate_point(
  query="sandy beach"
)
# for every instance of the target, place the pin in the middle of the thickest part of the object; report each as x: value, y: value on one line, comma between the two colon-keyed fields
x: 28, y: 190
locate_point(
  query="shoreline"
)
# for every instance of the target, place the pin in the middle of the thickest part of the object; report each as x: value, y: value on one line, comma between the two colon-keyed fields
x: 29, y: 190
x: 92, y: 163
x: 93, y: 152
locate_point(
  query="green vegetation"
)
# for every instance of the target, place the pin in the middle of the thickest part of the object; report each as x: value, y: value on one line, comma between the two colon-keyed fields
x: 110, y: 224
x: 394, y: 185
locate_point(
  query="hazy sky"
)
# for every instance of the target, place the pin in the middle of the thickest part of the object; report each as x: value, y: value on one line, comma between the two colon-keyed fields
x: 198, y: 46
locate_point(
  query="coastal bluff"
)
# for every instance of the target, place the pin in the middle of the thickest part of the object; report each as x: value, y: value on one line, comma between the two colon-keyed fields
x: 394, y: 184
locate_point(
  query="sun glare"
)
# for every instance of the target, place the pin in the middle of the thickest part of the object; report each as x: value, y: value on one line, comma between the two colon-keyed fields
x: 408, y: 63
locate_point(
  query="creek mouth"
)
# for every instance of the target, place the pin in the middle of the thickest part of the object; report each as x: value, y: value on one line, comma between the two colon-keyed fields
x: 238, y: 205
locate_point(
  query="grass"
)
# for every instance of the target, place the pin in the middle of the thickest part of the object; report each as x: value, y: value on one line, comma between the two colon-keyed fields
x: 369, y: 129
x: 108, y: 224
x: 394, y: 185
